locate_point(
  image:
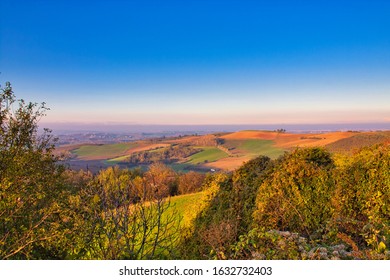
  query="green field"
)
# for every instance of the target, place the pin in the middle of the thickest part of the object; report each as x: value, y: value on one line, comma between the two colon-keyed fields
x: 254, y: 147
x: 118, y: 153
x: 120, y: 159
x: 185, y: 207
x: 103, y: 151
x: 117, y: 159
x: 180, y: 211
x: 179, y: 167
x: 209, y: 154
x: 182, y: 203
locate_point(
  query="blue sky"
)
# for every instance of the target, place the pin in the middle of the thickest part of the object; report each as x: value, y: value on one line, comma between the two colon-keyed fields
x: 200, y: 62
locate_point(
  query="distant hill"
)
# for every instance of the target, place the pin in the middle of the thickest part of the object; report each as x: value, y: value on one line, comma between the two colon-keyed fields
x: 359, y: 141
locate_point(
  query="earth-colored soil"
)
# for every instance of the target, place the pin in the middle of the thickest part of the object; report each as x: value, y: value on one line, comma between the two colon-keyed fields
x: 292, y: 140
x: 228, y: 164
x: 146, y: 147
x: 289, y: 141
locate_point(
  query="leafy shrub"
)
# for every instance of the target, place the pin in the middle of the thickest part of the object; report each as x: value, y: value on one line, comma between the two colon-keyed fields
x: 246, y: 181
x: 31, y: 188
x: 362, y: 198
x: 297, y: 195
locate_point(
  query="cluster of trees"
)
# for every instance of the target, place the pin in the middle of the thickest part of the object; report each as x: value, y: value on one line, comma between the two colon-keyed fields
x: 166, y: 155
x: 308, y: 204
x: 47, y: 212
x: 205, y: 140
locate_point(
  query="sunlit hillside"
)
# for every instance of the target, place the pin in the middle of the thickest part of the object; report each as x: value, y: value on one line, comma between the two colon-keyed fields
x: 204, y: 153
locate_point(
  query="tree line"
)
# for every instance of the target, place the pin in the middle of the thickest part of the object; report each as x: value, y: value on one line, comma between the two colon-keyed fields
x: 166, y: 155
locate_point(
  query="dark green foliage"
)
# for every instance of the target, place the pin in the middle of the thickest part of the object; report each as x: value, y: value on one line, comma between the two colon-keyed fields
x: 229, y: 213
x: 318, y: 156
x: 306, y: 207
x: 214, y: 228
x: 246, y: 181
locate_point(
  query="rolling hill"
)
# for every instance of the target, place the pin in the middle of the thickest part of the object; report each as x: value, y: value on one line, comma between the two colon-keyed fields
x: 225, y: 151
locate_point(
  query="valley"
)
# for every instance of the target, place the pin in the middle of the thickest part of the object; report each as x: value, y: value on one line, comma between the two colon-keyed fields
x: 210, y: 152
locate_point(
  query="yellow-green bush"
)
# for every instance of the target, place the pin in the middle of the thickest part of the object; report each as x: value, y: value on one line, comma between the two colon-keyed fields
x: 362, y: 198
x: 297, y: 194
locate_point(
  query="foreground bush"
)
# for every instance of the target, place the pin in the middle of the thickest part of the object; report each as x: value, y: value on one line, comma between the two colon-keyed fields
x: 362, y: 198
x: 296, y: 196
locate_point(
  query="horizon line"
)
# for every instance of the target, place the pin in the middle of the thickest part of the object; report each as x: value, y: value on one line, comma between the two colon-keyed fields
x: 208, y: 124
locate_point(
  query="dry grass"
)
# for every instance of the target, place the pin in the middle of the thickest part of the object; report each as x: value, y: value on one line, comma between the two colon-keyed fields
x: 251, y: 134
x: 289, y: 141
x: 229, y: 163
x: 292, y: 140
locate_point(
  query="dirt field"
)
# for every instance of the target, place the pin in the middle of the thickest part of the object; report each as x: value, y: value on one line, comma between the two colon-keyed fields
x: 292, y: 140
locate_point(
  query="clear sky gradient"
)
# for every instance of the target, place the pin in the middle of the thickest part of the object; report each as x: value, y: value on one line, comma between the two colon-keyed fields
x: 200, y: 62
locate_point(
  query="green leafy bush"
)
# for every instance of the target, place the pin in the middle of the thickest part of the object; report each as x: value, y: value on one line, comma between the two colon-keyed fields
x: 362, y: 198
x: 296, y: 196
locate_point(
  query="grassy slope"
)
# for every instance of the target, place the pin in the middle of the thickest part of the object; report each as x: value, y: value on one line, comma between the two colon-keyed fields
x: 261, y: 147
x: 117, y: 159
x: 209, y: 154
x: 185, y: 209
x: 103, y: 151
x: 184, y: 204
x: 253, y: 147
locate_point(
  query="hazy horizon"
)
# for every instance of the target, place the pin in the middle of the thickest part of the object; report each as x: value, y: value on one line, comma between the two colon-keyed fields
x: 198, y: 63
x: 69, y: 128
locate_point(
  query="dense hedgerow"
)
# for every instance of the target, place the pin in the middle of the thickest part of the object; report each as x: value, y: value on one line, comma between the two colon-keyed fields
x: 362, y: 198
x: 303, y: 205
x: 297, y: 194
